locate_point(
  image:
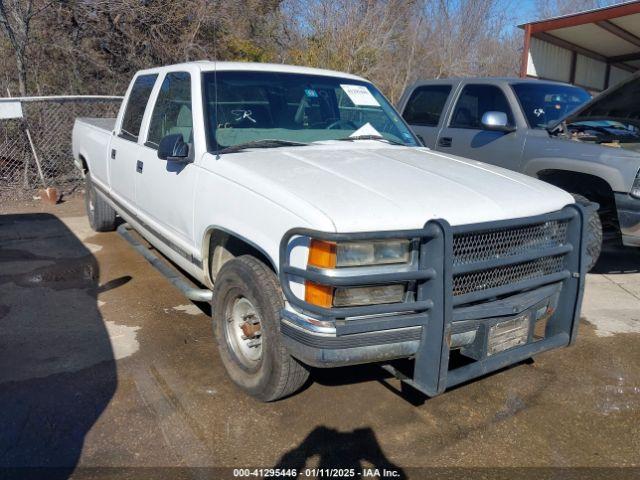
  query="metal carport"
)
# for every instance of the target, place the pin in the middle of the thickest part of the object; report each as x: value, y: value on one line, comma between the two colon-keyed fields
x: 594, y: 49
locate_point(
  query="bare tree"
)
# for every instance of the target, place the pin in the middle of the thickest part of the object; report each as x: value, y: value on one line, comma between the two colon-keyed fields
x: 15, y: 20
x: 366, y: 37
x: 468, y: 38
x: 102, y: 43
x: 99, y: 44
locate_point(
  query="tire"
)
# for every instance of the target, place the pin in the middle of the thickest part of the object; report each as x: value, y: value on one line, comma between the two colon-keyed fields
x: 246, y: 288
x: 594, y: 233
x: 102, y: 217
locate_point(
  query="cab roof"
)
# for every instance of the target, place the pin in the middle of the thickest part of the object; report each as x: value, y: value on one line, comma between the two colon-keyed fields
x: 489, y: 80
x: 209, y: 66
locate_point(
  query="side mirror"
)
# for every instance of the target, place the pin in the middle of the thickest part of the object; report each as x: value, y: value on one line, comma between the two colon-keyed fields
x: 173, y: 149
x: 496, y: 121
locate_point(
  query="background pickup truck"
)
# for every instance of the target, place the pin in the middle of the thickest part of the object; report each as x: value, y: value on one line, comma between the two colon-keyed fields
x: 323, y: 234
x: 532, y: 126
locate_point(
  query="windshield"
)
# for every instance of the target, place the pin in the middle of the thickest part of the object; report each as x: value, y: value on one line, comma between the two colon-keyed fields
x: 543, y: 103
x: 291, y: 107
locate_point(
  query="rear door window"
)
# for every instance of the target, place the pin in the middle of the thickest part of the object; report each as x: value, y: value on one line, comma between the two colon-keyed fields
x: 426, y: 104
x: 138, y: 99
x: 172, y: 113
x: 475, y: 101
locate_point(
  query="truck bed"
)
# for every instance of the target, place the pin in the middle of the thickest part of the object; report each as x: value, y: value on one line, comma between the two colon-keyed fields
x: 101, y: 123
x: 90, y: 142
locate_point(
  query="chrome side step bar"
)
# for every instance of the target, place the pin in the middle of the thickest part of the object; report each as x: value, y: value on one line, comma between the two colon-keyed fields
x: 176, y: 279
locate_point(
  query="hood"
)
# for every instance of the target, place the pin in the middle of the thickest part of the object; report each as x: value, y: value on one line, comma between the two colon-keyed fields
x: 372, y: 186
x: 622, y: 101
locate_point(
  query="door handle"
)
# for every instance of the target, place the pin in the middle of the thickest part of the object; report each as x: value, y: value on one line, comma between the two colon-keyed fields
x: 445, y: 141
x: 113, y: 153
x: 139, y: 166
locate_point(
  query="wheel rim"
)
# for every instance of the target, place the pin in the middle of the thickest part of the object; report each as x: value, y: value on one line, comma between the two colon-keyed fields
x: 243, y: 328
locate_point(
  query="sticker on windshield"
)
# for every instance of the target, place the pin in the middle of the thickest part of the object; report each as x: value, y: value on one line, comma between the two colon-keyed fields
x: 360, y: 95
x: 310, y: 92
x: 366, y: 130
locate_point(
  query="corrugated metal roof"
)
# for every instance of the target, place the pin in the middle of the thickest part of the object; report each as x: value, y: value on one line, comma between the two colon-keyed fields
x: 603, y: 46
x: 577, y: 14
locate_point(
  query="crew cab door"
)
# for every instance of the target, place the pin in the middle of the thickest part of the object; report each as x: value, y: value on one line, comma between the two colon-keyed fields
x: 166, y: 188
x: 424, y: 110
x: 465, y: 136
x: 124, y: 150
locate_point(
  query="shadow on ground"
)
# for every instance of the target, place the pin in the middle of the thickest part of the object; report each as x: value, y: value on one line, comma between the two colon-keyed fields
x: 616, y: 259
x: 357, y: 449
x: 335, y: 377
x: 57, y: 366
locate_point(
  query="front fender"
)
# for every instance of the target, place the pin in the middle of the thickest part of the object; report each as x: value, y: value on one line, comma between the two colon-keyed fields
x: 224, y: 205
x: 616, y: 166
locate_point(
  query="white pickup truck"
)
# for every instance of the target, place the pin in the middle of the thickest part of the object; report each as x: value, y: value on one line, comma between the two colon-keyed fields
x: 325, y: 235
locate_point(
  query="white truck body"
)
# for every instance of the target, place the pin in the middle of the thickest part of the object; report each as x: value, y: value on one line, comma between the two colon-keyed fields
x: 335, y: 186
x: 258, y: 195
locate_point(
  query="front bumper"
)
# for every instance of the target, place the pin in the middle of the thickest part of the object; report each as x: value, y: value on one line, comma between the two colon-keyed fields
x: 326, y: 349
x: 428, y: 327
x: 629, y: 219
x: 320, y: 349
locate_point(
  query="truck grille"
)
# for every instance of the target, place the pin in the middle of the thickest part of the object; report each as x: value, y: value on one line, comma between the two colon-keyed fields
x: 474, y: 247
x: 496, y: 277
x: 457, y: 266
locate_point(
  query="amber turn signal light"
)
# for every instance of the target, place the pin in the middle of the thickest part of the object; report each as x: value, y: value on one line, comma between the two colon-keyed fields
x: 322, y: 254
x: 320, y: 295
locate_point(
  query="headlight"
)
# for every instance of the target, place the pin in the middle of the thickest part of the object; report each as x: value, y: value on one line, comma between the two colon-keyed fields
x: 358, y: 254
x: 354, y: 296
x: 330, y: 255
x: 379, y: 252
x: 635, y: 190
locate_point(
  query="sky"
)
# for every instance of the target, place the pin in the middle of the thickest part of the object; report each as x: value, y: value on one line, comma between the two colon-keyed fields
x: 526, y: 12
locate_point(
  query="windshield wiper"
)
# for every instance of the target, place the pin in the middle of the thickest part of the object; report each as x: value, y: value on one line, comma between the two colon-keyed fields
x: 369, y: 137
x: 265, y: 143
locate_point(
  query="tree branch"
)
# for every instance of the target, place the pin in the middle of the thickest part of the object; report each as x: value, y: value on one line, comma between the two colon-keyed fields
x: 40, y: 10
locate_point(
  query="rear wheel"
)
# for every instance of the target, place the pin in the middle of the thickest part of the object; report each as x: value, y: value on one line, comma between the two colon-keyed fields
x: 102, y: 217
x: 594, y: 233
x: 247, y: 301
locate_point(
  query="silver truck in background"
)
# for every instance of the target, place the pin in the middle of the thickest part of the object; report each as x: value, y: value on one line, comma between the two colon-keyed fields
x: 549, y: 130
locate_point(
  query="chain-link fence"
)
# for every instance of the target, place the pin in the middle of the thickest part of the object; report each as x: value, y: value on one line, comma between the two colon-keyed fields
x: 35, y: 141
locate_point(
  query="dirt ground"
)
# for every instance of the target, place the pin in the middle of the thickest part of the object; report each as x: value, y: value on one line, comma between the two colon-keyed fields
x: 105, y: 368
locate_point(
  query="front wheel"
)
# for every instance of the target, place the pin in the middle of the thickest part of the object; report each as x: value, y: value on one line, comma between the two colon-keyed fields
x: 594, y: 233
x: 247, y: 301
